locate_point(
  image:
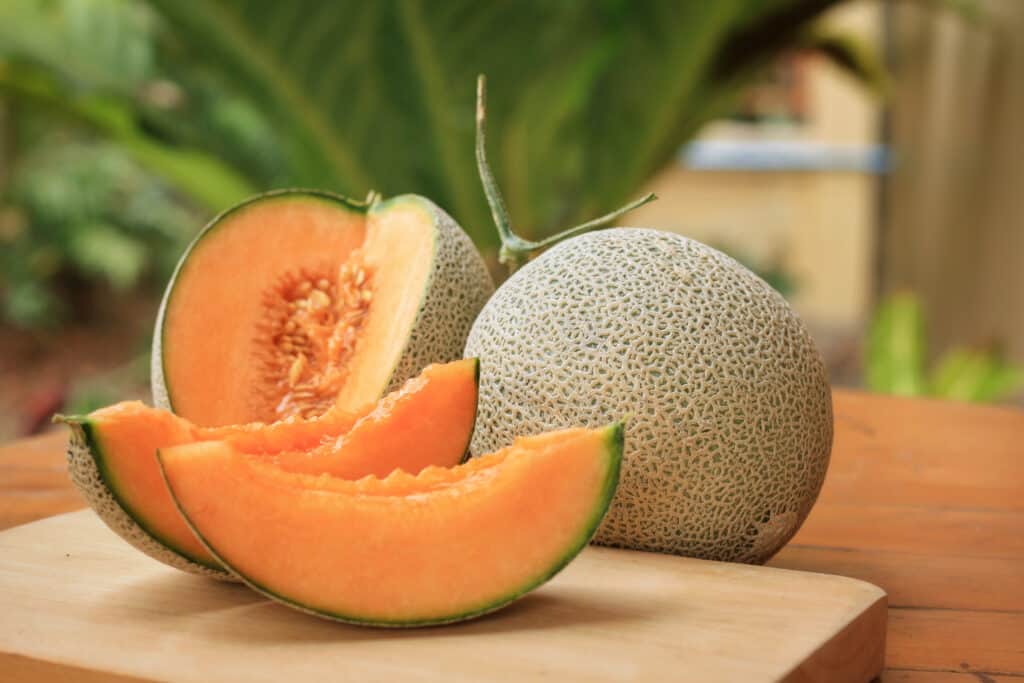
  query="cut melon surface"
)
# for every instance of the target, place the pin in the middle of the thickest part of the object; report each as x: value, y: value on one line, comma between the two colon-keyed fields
x: 398, y: 433
x: 438, y: 547
x: 298, y: 300
x: 112, y: 455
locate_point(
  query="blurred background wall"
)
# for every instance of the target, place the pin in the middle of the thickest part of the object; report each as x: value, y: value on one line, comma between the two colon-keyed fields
x: 952, y: 225
x: 795, y: 191
x: 857, y: 196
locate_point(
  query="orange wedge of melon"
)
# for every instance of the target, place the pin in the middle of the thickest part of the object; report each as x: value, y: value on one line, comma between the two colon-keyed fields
x: 112, y: 454
x: 407, y: 550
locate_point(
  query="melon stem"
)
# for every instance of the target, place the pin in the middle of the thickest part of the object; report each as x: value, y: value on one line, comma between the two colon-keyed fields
x: 515, y: 250
x: 372, y: 199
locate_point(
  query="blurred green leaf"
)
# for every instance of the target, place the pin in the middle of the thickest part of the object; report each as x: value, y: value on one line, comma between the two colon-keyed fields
x: 213, y: 101
x: 896, y: 348
x: 26, y: 303
x: 82, y: 209
x: 973, y: 374
x: 359, y: 96
x: 103, y: 249
x: 588, y: 100
x: 972, y: 11
x: 1004, y: 382
x: 851, y: 54
x: 91, y: 45
x: 193, y: 172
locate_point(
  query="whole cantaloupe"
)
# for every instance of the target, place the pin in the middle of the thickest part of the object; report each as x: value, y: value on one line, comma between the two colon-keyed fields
x: 731, y: 416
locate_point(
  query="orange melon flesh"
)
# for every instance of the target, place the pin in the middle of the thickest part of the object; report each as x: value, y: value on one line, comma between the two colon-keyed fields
x: 433, y: 419
x: 399, y: 251
x: 124, y: 439
x: 442, y: 546
x: 215, y: 339
x: 398, y: 433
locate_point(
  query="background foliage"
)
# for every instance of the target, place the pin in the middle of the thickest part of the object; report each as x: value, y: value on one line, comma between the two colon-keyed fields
x: 191, y: 105
x: 896, y: 353
x: 128, y: 123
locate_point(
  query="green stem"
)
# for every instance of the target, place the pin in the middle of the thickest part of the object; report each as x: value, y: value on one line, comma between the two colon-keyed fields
x: 514, y: 249
x: 511, y: 244
x: 373, y: 198
x: 595, y: 223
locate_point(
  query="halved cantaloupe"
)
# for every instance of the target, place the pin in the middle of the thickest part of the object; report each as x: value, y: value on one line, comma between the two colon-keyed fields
x: 442, y: 546
x: 112, y: 454
x: 297, y: 300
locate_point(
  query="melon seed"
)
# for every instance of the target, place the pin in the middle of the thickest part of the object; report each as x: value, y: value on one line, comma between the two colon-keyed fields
x: 312, y: 336
x: 295, y: 372
x: 318, y: 300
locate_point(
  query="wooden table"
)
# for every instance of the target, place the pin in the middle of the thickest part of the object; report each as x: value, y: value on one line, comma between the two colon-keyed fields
x: 923, y: 498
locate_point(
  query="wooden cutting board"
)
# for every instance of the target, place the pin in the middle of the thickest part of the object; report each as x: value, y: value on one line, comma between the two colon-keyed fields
x: 79, y: 604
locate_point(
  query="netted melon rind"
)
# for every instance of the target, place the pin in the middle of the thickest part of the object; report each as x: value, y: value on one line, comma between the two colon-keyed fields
x: 86, y: 476
x: 457, y: 288
x: 158, y: 385
x: 731, y: 416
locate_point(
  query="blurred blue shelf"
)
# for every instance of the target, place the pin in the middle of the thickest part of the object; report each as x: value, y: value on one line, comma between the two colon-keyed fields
x: 783, y: 155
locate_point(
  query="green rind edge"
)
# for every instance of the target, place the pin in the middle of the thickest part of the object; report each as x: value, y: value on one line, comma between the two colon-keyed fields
x: 90, y: 432
x: 466, y: 454
x: 614, y: 446
x: 435, y: 220
x: 218, y: 220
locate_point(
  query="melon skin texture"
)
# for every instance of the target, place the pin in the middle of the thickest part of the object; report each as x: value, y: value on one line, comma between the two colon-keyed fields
x: 447, y: 545
x: 455, y: 288
x: 730, y: 426
x: 94, y: 484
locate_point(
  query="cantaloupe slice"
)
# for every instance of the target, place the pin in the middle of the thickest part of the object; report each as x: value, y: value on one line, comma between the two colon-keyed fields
x: 112, y: 454
x: 399, y: 433
x: 296, y: 300
x: 438, y: 547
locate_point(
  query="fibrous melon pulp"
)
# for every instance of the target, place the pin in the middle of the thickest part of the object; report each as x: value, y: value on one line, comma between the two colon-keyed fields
x: 731, y: 424
x: 112, y: 454
x: 296, y: 301
x: 441, y: 546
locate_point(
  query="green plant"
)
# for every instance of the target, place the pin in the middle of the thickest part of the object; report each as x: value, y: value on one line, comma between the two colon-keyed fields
x: 103, y: 65
x: 105, y: 180
x: 215, y: 100
x: 595, y: 97
x: 77, y: 207
x: 896, y: 351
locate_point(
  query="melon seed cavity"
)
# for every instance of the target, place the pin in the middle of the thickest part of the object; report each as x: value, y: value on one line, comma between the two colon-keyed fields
x: 308, y: 334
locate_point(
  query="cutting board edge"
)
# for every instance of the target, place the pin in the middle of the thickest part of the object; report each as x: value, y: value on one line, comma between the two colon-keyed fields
x: 817, y: 664
x: 875, y: 591
x: 831, y: 661
x: 19, y: 668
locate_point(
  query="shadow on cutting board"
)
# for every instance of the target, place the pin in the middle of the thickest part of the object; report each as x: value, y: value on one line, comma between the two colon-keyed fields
x: 232, y: 613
